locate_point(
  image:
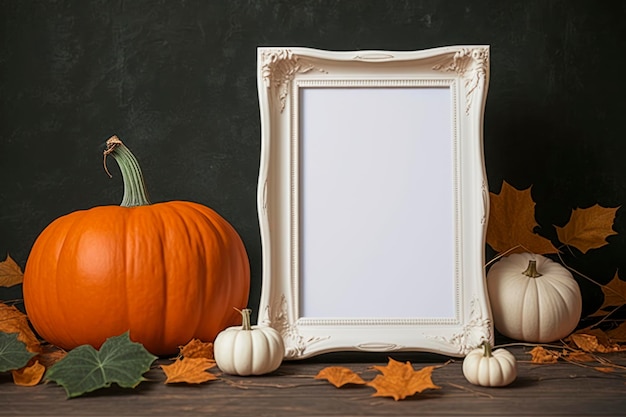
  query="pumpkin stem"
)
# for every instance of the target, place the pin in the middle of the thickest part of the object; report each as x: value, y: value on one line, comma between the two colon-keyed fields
x: 245, y: 318
x: 135, y: 191
x: 531, y: 271
x: 487, y: 349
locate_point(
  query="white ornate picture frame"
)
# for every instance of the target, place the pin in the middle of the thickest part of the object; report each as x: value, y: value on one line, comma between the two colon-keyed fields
x: 373, y: 199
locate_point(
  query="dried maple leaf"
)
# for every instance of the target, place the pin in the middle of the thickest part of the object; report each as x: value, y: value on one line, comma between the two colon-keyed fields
x: 614, y: 295
x: 189, y: 370
x: 29, y: 375
x: 14, y: 321
x: 340, y: 376
x: 512, y: 223
x: 541, y: 355
x: 400, y: 380
x: 593, y: 343
x: 588, y: 228
x: 10, y: 273
x: 197, y: 349
x: 577, y: 356
x: 618, y: 334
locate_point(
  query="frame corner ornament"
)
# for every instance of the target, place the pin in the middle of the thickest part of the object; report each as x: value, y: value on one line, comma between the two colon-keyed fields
x: 471, y: 64
x: 476, y: 331
x: 278, y: 68
x: 277, y: 316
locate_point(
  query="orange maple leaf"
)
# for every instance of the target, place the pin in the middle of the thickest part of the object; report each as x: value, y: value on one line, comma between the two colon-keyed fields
x: 10, y: 273
x: 541, y: 355
x: 197, y: 349
x: 512, y: 223
x: 614, y: 295
x: 189, y: 370
x: 29, y: 375
x: 588, y: 228
x: 400, y: 380
x: 14, y: 321
x: 339, y: 376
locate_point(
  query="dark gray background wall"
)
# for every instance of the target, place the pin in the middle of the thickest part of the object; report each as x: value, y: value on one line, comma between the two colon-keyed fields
x: 176, y: 81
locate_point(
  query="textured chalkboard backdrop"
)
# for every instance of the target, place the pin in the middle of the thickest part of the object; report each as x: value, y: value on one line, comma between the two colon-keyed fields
x: 175, y: 80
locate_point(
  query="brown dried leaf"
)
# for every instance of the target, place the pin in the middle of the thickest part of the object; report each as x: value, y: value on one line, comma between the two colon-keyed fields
x: 588, y: 228
x: 542, y: 355
x: 614, y: 295
x: 594, y: 343
x: 50, y: 355
x: 577, y: 356
x: 14, y: 321
x: 339, y: 376
x: 400, y: 380
x: 197, y: 349
x: 512, y: 223
x: 30, y: 375
x: 618, y: 334
x: 189, y: 370
x: 10, y: 273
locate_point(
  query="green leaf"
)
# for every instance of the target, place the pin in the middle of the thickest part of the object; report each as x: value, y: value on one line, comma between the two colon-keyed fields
x: 84, y: 369
x: 13, y: 352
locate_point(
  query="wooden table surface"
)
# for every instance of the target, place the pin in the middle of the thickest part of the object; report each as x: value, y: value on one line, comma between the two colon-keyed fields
x: 561, y: 389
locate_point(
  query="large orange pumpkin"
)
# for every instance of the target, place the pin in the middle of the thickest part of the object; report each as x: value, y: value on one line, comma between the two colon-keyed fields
x: 166, y: 272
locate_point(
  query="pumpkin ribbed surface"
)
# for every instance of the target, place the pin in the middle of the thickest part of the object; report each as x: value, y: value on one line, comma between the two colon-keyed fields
x: 533, y: 309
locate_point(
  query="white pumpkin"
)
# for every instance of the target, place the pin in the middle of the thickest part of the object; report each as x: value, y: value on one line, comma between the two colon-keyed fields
x: 488, y: 368
x: 248, y: 350
x: 533, y: 299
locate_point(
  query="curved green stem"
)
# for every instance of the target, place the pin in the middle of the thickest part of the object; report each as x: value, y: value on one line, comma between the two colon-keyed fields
x: 487, y: 349
x: 135, y: 191
x: 245, y: 318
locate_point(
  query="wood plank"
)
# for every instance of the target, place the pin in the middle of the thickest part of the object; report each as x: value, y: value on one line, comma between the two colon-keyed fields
x: 558, y: 389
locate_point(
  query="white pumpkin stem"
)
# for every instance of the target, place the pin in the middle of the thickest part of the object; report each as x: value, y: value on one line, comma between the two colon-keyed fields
x: 531, y: 271
x: 245, y: 318
x: 486, y: 349
x: 135, y: 191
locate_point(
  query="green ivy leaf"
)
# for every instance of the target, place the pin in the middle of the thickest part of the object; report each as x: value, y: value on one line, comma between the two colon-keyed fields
x: 13, y: 352
x: 84, y: 369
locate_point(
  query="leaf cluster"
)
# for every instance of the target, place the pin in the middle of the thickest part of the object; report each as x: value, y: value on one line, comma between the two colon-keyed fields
x: 396, y: 379
x: 512, y: 226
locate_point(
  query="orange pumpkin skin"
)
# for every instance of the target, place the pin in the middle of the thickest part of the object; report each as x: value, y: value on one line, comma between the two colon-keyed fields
x: 168, y: 272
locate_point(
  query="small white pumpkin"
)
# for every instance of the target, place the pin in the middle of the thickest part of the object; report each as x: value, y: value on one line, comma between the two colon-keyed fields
x: 533, y: 299
x: 488, y: 368
x: 248, y: 350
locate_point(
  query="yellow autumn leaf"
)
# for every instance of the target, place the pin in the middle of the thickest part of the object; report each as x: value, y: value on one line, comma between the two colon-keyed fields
x: 339, y: 376
x: 10, y: 273
x: 400, y: 380
x: 512, y: 223
x: 190, y: 371
x: 588, y: 228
